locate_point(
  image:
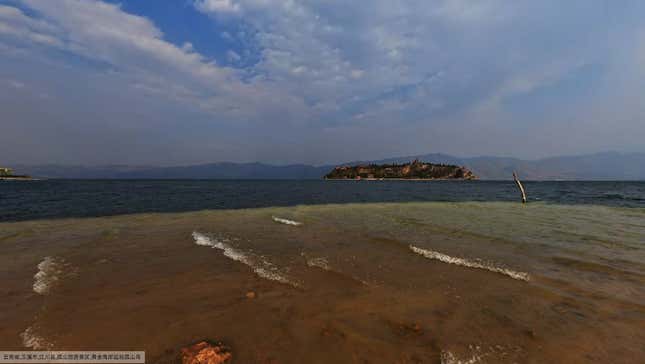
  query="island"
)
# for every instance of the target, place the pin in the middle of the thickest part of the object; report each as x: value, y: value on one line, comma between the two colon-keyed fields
x: 6, y: 174
x: 415, y: 170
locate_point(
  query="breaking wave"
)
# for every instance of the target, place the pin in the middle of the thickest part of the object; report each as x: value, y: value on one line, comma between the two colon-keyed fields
x: 31, y: 340
x: 285, y: 221
x: 50, y: 273
x: 260, y: 266
x: 470, y: 264
x: 449, y: 358
x: 321, y: 263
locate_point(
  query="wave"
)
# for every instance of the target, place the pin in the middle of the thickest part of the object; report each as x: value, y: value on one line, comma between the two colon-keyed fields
x: 522, y: 276
x: 620, y: 196
x: 286, y: 221
x: 260, y: 266
x: 449, y: 358
x: 321, y: 263
x: 50, y: 273
x: 31, y: 340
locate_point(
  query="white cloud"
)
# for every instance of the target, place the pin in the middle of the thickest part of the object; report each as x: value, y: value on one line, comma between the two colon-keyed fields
x: 528, y: 80
x: 469, y: 12
x: 362, y: 66
x: 133, y: 46
x: 14, y: 23
x: 16, y: 84
x: 223, y: 6
x: 332, y: 51
x: 233, y: 56
x: 226, y: 35
x: 188, y: 47
x: 356, y: 74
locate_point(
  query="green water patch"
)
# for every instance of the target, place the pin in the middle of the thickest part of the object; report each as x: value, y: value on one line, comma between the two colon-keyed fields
x: 111, y: 233
x: 598, y: 268
x: 9, y: 236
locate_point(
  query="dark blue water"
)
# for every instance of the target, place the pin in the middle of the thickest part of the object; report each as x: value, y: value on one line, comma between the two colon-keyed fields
x: 26, y: 200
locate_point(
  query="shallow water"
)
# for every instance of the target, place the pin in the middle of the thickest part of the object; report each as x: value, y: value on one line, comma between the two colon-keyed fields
x: 423, y: 282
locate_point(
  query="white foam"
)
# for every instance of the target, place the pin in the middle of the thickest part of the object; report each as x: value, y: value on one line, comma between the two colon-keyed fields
x: 33, y: 341
x: 321, y: 263
x: 261, y: 267
x: 50, y: 272
x: 203, y: 240
x: 449, y: 358
x: 286, y: 221
x: 470, y: 264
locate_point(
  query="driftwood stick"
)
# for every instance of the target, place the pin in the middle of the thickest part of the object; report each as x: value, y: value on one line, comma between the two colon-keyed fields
x: 519, y: 185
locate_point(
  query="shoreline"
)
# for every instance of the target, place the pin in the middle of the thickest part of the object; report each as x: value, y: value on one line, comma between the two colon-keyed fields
x: 18, y: 178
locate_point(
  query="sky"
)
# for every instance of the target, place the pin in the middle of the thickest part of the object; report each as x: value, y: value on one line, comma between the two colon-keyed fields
x: 149, y: 82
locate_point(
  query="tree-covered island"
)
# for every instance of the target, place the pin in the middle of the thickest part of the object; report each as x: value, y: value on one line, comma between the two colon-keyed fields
x: 415, y: 170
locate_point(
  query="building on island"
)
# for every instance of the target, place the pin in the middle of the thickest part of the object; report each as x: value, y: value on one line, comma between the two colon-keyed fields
x: 5, y: 171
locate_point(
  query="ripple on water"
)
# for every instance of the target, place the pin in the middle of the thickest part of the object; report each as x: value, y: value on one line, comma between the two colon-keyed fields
x: 262, y: 267
x: 522, y: 276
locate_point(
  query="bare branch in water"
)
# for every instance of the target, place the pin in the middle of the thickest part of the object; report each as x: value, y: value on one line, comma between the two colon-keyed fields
x: 519, y: 185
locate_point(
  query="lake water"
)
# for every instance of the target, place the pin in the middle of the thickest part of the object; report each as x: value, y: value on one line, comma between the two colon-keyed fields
x: 25, y: 200
x: 343, y: 272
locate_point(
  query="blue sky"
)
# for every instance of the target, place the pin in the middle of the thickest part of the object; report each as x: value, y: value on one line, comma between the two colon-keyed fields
x: 313, y: 81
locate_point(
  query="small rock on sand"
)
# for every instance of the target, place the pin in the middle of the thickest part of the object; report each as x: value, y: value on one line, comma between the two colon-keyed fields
x: 205, y: 353
x: 250, y: 295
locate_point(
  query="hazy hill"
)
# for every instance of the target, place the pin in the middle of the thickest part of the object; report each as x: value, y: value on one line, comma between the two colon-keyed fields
x: 599, y: 166
x: 202, y: 171
x: 231, y: 171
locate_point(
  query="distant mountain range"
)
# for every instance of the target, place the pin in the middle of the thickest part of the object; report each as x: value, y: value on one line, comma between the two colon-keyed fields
x: 599, y: 166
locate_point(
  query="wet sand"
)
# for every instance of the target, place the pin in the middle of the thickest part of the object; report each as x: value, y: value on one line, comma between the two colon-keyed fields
x: 344, y: 286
